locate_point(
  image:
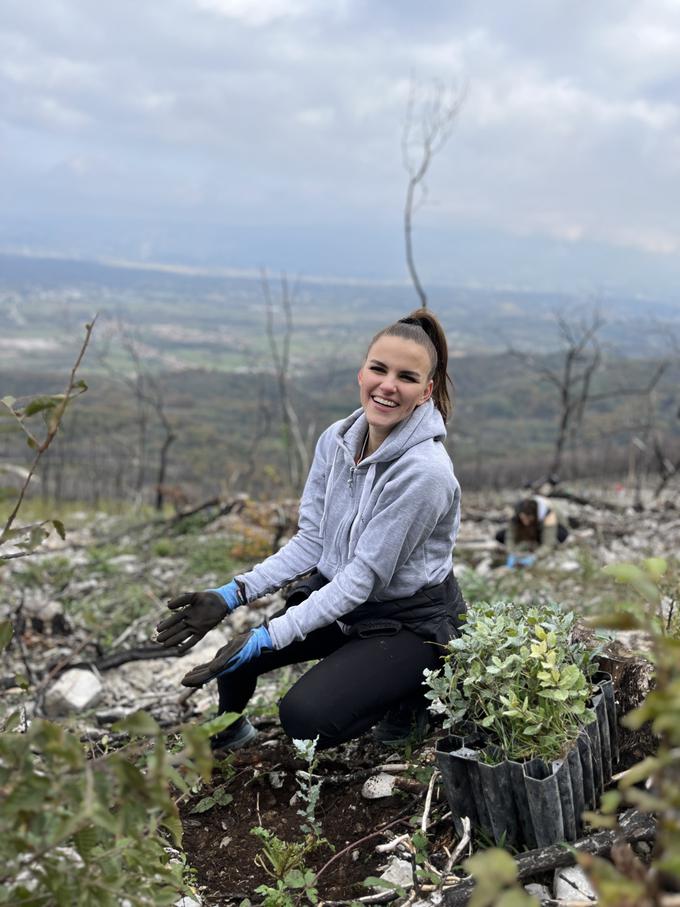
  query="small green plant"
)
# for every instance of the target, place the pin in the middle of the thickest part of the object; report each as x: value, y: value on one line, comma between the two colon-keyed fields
x: 210, y: 556
x: 219, y: 797
x: 53, y: 571
x: 110, y: 611
x: 284, y: 861
x: 309, y: 789
x: 515, y: 673
x: 165, y: 548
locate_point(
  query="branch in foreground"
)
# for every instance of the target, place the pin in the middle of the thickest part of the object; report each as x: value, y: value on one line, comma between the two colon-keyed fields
x: 52, y: 429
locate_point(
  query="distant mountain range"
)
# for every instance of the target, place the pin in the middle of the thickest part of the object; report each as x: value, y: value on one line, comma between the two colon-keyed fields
x: 180, y: 313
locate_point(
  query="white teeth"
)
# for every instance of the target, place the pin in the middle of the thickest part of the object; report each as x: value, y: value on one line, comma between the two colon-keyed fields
x: 384, y: 402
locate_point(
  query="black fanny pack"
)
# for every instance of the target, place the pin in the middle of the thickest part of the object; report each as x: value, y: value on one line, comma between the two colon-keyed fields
x: 433, y: 612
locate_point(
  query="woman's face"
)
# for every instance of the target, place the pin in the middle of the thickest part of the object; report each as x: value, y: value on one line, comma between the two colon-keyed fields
x: 393, y: 380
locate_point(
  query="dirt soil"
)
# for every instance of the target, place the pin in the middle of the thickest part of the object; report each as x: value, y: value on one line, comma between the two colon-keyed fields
x: 220, y: 846
x: 261, y: 779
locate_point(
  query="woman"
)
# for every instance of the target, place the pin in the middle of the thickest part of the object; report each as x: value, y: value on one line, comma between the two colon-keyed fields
x: 378, y: 521
x: 536, y: 524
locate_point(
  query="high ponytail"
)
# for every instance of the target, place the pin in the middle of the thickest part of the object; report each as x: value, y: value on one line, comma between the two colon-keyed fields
x: 424, y: 328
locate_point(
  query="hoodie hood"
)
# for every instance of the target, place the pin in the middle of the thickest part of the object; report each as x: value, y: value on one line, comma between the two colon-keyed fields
x: 424, y: 424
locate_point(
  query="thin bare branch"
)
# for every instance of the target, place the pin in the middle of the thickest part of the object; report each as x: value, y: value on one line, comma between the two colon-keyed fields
x: 52, y: 428
x: 436, y: 115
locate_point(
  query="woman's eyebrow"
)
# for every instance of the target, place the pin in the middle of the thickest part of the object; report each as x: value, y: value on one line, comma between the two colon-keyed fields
x: 403, y: 371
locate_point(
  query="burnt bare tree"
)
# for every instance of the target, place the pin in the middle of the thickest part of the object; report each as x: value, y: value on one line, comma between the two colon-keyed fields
x: 645, y: 437
x: 297, y: 442
x: 579, y: 360
x: 667, y: 463
x: 149, y: 397
x: 428, y: 124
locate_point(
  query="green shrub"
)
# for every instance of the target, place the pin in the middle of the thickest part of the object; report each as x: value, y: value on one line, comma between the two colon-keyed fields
x: 654, y: 588
x: 78, y: 831
x: 54, y: 571
x: 210, y: 556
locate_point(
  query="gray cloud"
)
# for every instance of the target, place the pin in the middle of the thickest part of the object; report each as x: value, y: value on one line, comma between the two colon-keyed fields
x: 290, y: 112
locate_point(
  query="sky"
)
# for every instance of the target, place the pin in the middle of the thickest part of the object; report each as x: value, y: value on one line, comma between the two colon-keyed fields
x: 241, y: 133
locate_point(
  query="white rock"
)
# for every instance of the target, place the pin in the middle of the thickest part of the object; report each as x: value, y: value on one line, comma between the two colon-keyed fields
x: 399, y: 872
x: 75, y: 691
x: 571, y: 883
x: 186, y: 901
x: 434, y: 900
x: 484, y: 567
x: 570, y: 567
x: 542, y: 892
x: 381, y: 785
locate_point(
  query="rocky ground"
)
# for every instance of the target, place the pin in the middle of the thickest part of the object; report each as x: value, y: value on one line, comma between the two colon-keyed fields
x: 85, y: 608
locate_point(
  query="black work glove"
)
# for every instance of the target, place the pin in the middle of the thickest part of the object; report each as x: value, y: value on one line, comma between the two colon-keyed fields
x: 201, y: 611
x: 242, y: 649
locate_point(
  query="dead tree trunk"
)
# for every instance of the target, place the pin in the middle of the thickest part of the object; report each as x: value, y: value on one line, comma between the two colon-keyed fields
x: 435, y: 116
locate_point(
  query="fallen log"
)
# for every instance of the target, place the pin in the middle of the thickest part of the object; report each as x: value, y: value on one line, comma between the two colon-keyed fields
x: 633, y: 826
x: 140, y: 653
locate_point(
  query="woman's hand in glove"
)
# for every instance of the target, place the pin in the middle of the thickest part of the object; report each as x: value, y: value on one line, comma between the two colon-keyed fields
x: 239, y: 651
x: 201, y: 611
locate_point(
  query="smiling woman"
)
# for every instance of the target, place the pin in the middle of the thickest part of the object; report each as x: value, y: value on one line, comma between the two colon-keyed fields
x: 378, y: 522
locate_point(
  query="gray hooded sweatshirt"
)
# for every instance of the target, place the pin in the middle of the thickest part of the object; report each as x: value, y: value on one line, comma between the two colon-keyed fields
x: 381, y: 530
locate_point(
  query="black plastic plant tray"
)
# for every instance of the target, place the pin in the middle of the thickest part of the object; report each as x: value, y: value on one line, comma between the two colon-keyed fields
x: 533, y: 803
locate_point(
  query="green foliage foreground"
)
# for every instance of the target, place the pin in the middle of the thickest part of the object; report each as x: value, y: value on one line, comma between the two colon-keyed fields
x: 82, y: 830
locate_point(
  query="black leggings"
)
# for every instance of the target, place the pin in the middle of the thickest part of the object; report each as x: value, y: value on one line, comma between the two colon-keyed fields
x: 348, y: 691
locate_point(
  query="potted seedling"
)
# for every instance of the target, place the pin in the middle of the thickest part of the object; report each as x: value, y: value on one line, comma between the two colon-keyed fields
x: 531, y: 724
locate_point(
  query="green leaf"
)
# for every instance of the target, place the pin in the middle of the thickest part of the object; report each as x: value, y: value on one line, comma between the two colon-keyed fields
x: 656, y: 567
x: 40, y: 404
x: 616, y: 620
x: 12, y: 722
x: 86, y: 840
x: 640, y: 772
x: 222, y: 796
x: 493, y: 870
x: 59, y: 526
x: 623, y: 573
x: 139, y: 724
x: 174, y: 826
x: 204, y: 805
x: 375, y: 882
x: 219, y: 723
x: 6, y: 633
x: 294, y: 879
x: 610, y: 801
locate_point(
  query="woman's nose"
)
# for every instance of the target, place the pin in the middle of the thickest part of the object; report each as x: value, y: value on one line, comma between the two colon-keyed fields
x: 389, y: 383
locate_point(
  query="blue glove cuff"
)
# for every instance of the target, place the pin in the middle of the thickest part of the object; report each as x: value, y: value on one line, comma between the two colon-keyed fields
x: 231, y: 593
x: 263, y: 638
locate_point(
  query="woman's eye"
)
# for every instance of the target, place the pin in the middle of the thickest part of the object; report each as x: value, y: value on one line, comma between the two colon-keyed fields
x: 377, y: 368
